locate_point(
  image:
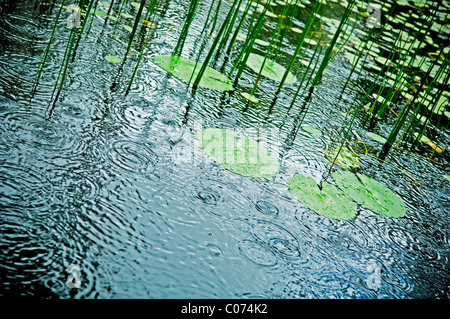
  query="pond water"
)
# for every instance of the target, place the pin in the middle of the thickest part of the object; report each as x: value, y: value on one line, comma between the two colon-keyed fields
x: 115, y: 188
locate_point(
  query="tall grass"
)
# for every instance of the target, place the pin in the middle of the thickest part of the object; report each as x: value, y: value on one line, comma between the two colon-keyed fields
x: 216, y: 41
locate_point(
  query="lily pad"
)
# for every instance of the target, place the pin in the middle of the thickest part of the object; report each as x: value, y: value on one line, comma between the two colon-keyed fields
x: 249, y: 159
x: 271, y: 70
x: 186, y: 70
x: 329, y: 201
x: 371, y: 194
x: 113, y: 59
x: 345, y: 159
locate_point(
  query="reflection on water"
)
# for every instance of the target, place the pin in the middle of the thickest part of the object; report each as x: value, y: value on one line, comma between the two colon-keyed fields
x: 116, y: 185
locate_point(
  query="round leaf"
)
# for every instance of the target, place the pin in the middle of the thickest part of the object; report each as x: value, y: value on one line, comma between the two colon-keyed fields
x: 250, y: 159
x: 345, y: 159
x: 329, y: 202
x: 370, y: 194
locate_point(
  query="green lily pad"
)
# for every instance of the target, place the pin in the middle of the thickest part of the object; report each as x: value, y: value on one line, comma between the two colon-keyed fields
x: 345, y: 159
x: 271, y: 70
x: 113, y: 59
x: 250, y: 159
x: 329, y: 202
x: 371, y: 194
x: 183, y: 69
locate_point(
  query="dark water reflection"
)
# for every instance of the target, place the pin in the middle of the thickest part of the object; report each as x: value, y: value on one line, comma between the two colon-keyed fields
x: 118, y: 186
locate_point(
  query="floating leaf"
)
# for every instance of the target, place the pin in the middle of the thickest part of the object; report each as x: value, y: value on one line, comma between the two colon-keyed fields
x: 241, y: 37
x: 128, y: 28
x: 440, y: 106
x: 376, y: 137
x: 423, y: 138
x: 186, y: 70
x: 345, y: 159
x: 250, y: 97
x: 98, y: 12
x: 126, y: 15
x: 136, y: 4
x: 271, y: 70
x: 447, y: 177
x: 113, y: 59
x: 427, y: 141
x: 262, y: 42
x: 329, y: 202
x: 311, y: 130
x: 370, y: 194
x: 268, y: 13
x: 310, y: 41
x: 435, y: 147
x: 250, y: 159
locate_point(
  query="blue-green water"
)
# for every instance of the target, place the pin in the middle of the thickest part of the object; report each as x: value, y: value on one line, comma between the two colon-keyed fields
x: 117, y: 187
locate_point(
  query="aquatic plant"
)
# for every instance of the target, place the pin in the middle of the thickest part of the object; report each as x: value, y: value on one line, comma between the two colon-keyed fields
x: 328, y: 52
x: 238, y: 154
x: 392, y: 82
x: 326, y: 200
x: 184, y: 68
x: 184, y: 31
x: 337, y: 202
x: 370, y: 194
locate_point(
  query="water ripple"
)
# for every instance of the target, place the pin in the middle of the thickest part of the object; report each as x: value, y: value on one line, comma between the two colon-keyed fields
x: 277, y: 239
x: 23, y: 187
x: 131, y: 156
x: 257, y: 253
x: 215, y: 197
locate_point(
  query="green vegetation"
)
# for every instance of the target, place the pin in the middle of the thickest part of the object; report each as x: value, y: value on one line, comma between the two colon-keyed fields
x: 398, y: 76
x: 240, y: 155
